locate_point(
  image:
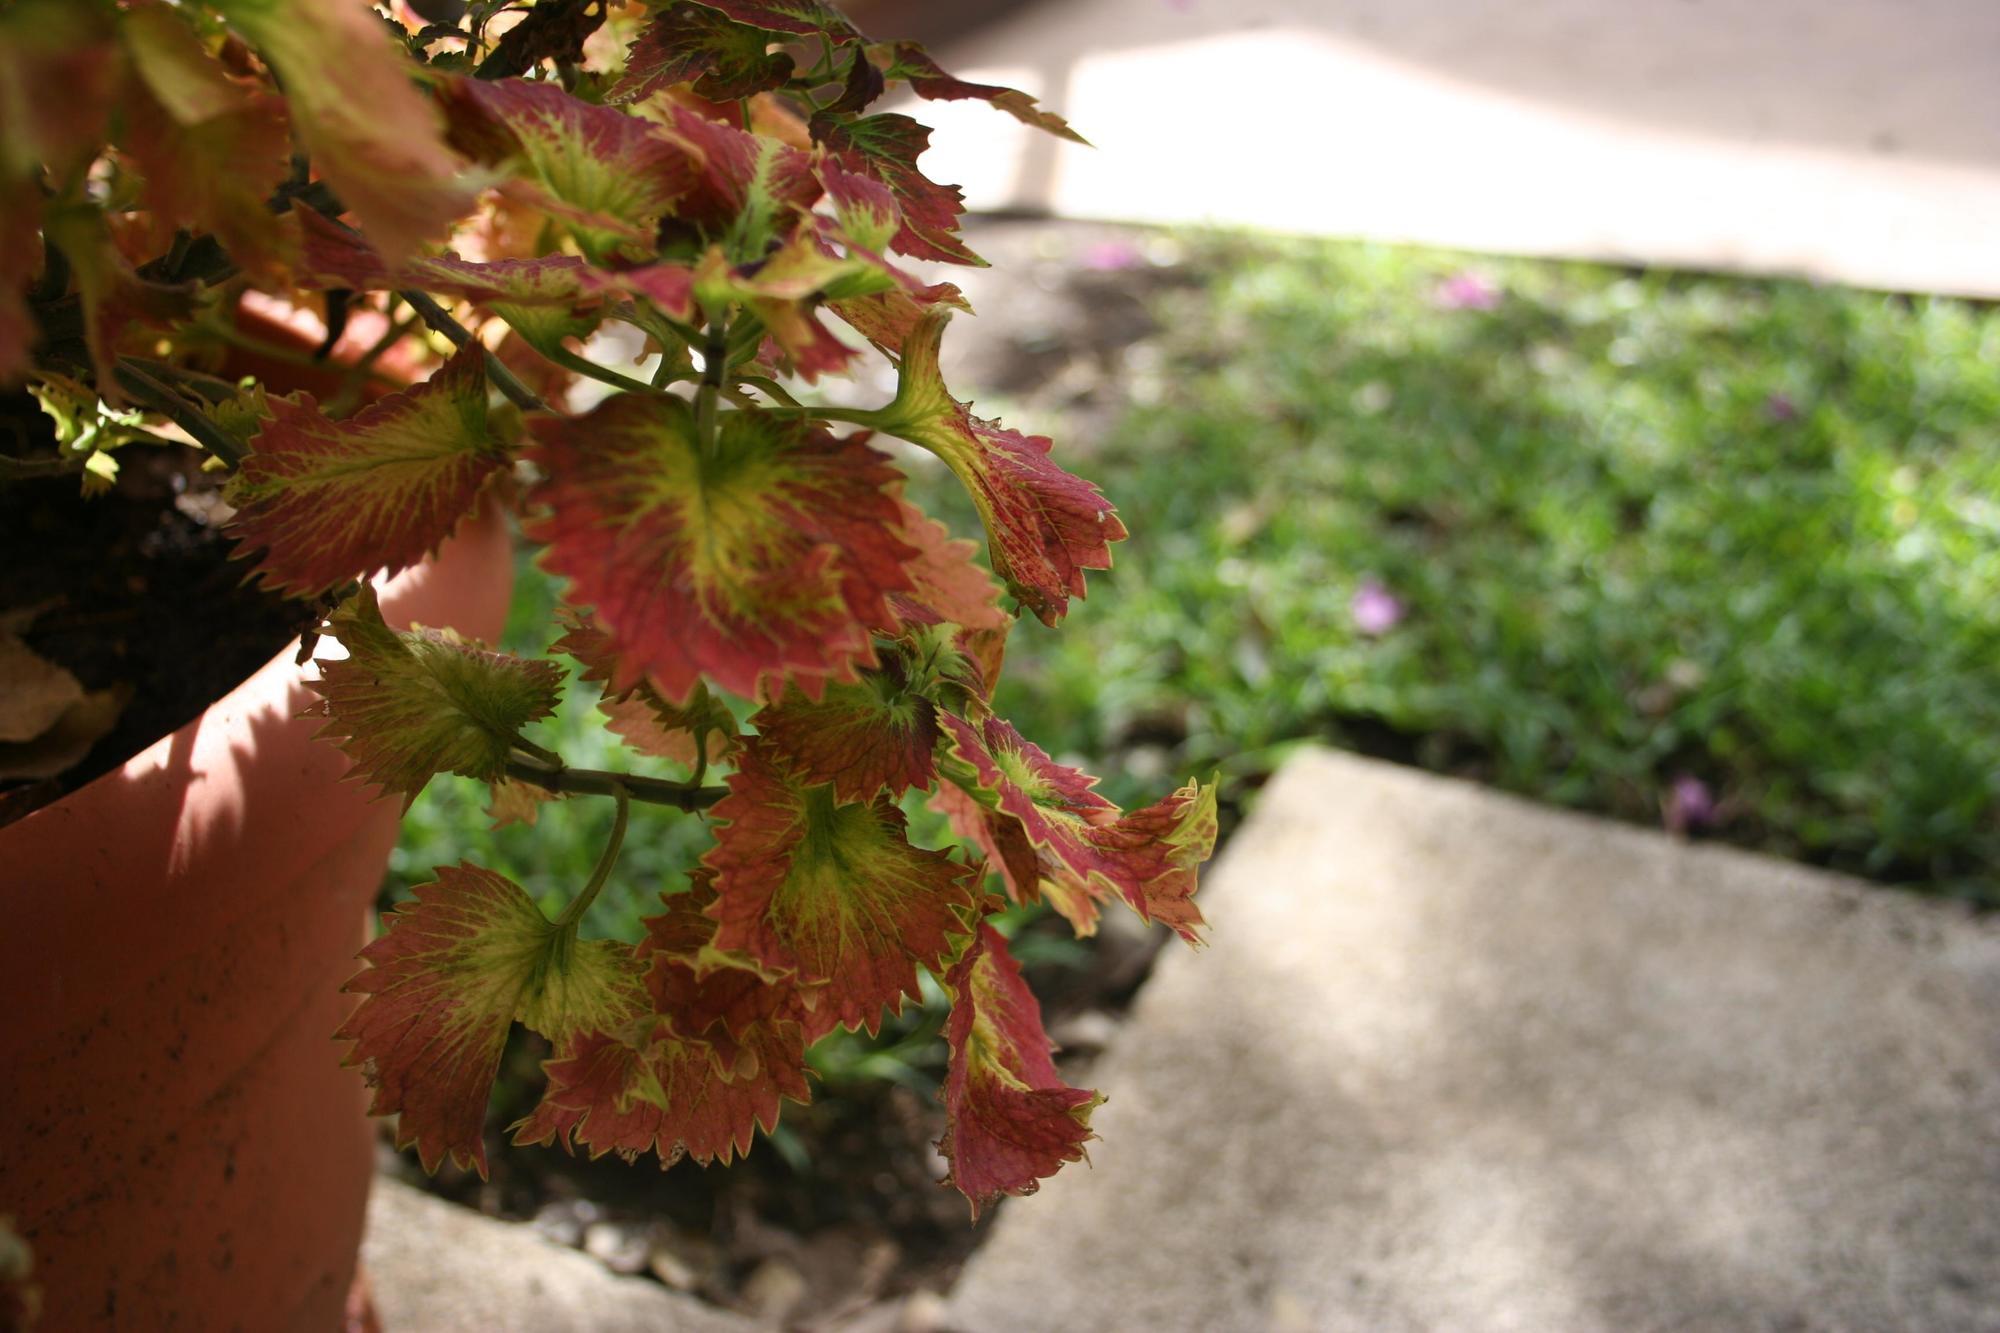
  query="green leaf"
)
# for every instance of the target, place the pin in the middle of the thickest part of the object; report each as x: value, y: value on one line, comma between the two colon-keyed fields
x: 407, y: 705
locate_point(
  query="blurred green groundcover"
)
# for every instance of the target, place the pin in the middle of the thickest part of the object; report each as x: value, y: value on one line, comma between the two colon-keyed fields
x: 1716, y: 553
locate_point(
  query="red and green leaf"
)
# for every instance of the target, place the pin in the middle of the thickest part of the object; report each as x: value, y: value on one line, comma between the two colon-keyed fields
x: 748, y: 188
x: 211, y: 147
x: 830, y: 892
x: 327, y: 501
x: 1016, y: 801
x: 662, y: 1093
x: 1011, y: 1121
x: 116, y: 301
x: 801, y: 18
x: 515, y: 802
x: 864, y: 207
x: 406, y: 705
x: 455, y: 968
x: 703, y: 728
x: 337, y: 256
x: 1153, y: 857
x: 885, y: 148
x: 948, y: 584
x: 909, y: 62
x: 783, y: 290
x: 771, y: 556
x: 618, y: 174
x: 726, y: 61
x: 870, y: 737
x: 358, y: 113
x: 1044, y: 526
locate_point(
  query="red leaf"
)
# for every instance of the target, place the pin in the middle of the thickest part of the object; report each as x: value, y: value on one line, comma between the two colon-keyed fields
x: 452, y: 972
x: 328, y: 501
x: 909, y: 61
x: 771, y: 558
x: 689, y: 43
x: 685, y: 928
x: 831, y: 892
x: 885, y: 148
x: 1012, y: 1120
x: 1044, y: 526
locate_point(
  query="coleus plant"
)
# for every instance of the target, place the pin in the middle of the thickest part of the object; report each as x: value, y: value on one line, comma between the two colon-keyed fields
x: 716, y: 175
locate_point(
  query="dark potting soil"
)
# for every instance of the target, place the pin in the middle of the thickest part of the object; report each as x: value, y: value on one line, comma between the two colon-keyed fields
x: 133, y: 590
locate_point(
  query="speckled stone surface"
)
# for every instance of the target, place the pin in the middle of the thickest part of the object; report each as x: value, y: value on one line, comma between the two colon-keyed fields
x: 1456, y: 1061
x: 434, y: 1267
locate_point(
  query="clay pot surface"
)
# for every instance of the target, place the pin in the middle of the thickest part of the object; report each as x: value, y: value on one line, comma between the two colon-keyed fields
x: 183, y: 1149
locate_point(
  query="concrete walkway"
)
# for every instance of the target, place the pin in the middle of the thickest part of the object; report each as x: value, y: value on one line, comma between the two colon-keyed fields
x: 1854, y: 140
x: 1459, y: 1062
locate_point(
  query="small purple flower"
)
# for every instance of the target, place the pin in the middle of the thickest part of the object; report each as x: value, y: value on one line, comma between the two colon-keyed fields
x: 1112, y: 256
x: 1780, y: 407
x: 1689, y: 805
x: 1375, y: 609
x: 1466, y: 290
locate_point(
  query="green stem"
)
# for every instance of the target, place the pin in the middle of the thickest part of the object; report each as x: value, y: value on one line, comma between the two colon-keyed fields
x: 547, y: 756
x: 361, y: 369
x: 770, y: 388
x: 581, y: 903
x: 178, y: 410
x: 177, y: 252
x: 589, y: 369
x: 439, y: 319
x: 212, y: 387
x: 714, y: 368
x: 566, y: 781
x: 873, y: 418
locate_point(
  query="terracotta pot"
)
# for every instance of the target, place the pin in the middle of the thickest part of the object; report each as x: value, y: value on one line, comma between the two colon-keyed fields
x: 182, y: 1147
